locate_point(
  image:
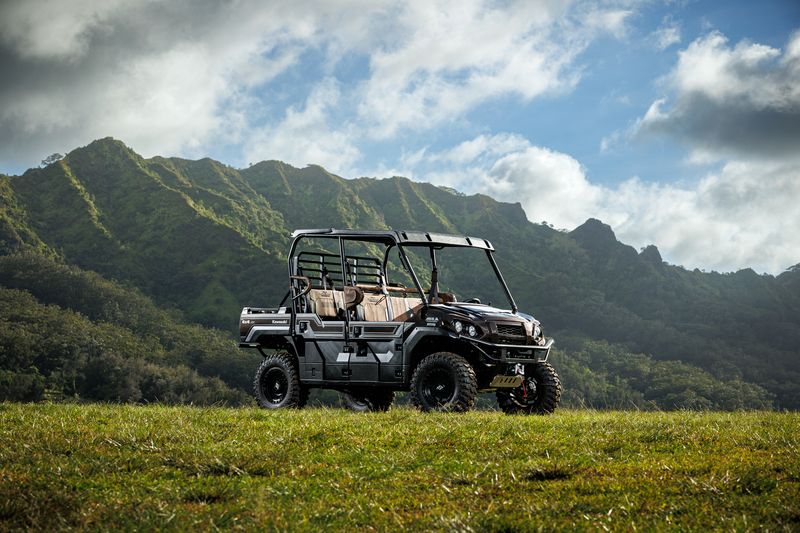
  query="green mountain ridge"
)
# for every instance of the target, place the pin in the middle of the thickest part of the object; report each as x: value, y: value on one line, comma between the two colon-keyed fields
x: 207, y: 239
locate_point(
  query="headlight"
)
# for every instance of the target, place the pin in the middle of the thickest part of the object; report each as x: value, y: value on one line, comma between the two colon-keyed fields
x: 458, y: 326
x: 472, y: 331
x: 537, y: 331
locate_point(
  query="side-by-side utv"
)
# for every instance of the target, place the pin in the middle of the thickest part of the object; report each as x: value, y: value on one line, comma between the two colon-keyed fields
x: 346, y: 325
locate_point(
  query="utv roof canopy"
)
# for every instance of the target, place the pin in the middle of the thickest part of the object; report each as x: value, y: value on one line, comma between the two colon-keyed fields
x: 408, y: 238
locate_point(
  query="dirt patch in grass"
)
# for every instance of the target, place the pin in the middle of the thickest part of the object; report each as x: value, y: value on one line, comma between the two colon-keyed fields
x: 552, y: 473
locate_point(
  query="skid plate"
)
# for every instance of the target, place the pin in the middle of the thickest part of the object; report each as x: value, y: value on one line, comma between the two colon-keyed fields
x: 503, y: 382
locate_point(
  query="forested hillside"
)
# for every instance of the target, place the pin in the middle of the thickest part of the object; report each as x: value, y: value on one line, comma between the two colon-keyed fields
x: 194, y: 241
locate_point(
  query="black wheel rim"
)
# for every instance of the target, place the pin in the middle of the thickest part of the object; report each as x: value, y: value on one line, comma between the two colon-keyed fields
x: 438, y: 387
x: 527, y: 395
x: 274, y: 385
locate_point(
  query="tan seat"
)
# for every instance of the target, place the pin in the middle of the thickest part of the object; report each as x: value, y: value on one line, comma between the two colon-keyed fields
x: 412, y: 306
x: 325, y: 302
x: 375, y: 307
x: 413, y: 303
x: 399, y: 305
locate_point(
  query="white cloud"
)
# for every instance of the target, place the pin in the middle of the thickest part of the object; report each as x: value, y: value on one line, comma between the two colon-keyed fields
x: 742, y: 215
x: 171, y: 77
x: 553, y: 185
x: 305, y: 136
x: 455, y: 55
x: 739, y: 107
x: 739, y: 101
x: 44, y: 30
x: 481, y: 147
x: 613, y: 21
x: 178, y: 77
x: 668, y: 34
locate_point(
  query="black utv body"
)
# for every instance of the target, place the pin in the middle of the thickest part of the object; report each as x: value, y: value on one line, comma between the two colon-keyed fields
x: 344, y: 325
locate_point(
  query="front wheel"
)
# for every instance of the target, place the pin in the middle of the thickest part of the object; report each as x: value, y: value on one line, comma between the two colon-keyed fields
x: 277, y: 384
x: 444, y: 382
x: 539, y: 393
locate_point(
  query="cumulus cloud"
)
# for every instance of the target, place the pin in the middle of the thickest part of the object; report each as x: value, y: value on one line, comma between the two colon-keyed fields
x: 305, y: 136
x: 454, y: 55
x: 178, y: 77
x: 731, y: 101
x: 44, y: 30
x: 737, y: 106
x: 741, y: 215
x: 457, y: 55
x: 166, y: 77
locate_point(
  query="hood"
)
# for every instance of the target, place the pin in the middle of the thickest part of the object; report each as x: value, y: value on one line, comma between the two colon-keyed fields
x: 488, y: 312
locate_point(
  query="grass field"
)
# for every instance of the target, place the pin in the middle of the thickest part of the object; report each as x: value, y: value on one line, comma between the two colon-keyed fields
x: 126, y: 467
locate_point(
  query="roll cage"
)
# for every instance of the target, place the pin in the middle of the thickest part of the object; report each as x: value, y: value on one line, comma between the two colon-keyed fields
x: 325, y: 269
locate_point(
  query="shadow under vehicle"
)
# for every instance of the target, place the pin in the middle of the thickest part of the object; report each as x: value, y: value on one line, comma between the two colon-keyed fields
x: 344, y: 325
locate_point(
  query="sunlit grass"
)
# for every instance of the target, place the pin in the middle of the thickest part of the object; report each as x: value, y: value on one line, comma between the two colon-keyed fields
x: 97, y: 466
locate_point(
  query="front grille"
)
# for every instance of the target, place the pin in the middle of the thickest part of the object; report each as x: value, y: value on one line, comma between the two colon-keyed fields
x: 508, y: 330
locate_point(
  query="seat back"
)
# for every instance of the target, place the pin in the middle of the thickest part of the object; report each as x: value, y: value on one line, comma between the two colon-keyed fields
x: 375, y: 307
x: 352, y: 297
x: 399, y: 305
x: 324, y: 302
x: 413, y: 303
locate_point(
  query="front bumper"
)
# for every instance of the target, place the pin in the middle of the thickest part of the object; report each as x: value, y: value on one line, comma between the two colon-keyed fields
x: 514, y: 353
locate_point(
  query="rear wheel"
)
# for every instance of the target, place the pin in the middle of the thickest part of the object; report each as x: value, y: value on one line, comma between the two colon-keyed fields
x: 539, y: 393
x: 276, y: 383
x: 444, y: 382
x: 362, y: 401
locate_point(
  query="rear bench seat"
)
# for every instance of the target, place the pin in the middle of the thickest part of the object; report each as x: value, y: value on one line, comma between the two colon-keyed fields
x: 395, y: 304
x: 327, y: 302
x: 371, y: 304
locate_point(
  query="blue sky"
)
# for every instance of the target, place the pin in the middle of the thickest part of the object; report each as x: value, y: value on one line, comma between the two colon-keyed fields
x: 676, y: 122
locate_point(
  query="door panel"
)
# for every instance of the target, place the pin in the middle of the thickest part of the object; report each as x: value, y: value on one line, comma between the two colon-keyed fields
x: 378, y: 354
x: 374, y: 352
x: 326, y: 357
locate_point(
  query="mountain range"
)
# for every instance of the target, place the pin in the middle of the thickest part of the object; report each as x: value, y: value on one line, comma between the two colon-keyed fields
x: 189, y: 243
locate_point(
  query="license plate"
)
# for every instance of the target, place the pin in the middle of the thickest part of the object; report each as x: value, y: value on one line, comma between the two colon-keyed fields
x: 506, y: 382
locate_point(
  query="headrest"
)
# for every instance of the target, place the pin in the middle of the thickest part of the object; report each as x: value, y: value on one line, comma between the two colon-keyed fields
x: 352, y: 296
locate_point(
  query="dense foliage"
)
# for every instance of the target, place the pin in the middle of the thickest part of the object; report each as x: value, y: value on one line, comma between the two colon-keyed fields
x: 206, y: 239
x: 72, y: 334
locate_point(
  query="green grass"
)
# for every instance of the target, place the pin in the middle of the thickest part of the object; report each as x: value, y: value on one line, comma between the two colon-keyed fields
x: 126, y: 467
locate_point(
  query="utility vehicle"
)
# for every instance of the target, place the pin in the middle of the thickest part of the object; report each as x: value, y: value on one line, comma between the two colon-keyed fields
x: 357, y: 319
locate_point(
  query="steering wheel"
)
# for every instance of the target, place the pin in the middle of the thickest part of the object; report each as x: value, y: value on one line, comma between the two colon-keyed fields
x: 473, y: 301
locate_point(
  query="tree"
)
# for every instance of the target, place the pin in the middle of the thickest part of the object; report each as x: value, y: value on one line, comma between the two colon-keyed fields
x: 49, y: 160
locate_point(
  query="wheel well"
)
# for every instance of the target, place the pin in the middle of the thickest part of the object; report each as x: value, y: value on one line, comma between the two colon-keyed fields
x: 277, y: 344
x: 435, y: 344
